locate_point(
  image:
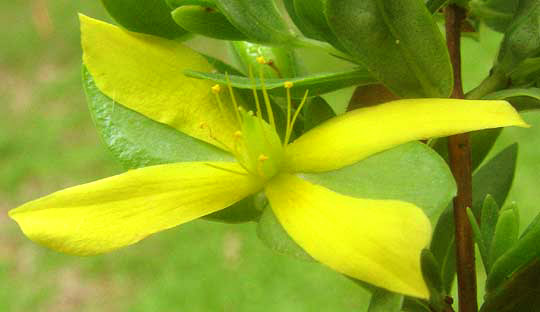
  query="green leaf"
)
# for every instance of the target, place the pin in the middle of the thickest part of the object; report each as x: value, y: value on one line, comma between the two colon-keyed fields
x: 316, y: 111
x: 526, y: 251
x: 494, y: 178
x: 435, y: 5
x: 395, y: 174
x: 432, y: 274
x: 479, y: 239
x: 522, y: 39
x: 149, y: 17
x: 398, y: 41
x: 137, y: 141
x: 317, y: 84
x: 274, y: 236
x: 206, y: 21
x: 497, y: 14
x: 518, y: 293
x: 415, y: 305
x: 481, y: 143
x: 259, y: 20
x: 506, y: 233
x: 385, y: 301
x: 521, y: 99
x: 488, y: 220
x: 280, y: 60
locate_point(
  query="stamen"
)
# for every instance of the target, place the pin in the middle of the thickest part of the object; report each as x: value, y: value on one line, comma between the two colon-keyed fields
x: 216, y: 89
x: 226, y: 169
x: 288, y: 134
x: 288, y: 85
x: 261, y: 60
x: 267, y: 99
x: 204, y: 125
x: 255, y: 95
x: 233, y: 99
x: 262, y: 159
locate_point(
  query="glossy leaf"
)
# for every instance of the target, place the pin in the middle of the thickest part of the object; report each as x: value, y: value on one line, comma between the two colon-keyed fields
x: 316, y: 111
x: 398, y: 41
x: 385, y: 301
x: 506, y: 233
x: 207, y: 22
x: 521, y: 99
x: 149, y: 17
x: 316, y: 84
x: 259, y: 20
x: 494, y: 178
x: 522, y: 39
x: 280, y: 60
x: 395, y: 174
x: 137, y: 141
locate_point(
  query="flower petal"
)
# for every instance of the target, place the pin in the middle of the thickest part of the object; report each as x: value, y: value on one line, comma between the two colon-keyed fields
x: 145, y: 74
x: 121, y: 210
x: 348, y: 138
x: 376, y: 241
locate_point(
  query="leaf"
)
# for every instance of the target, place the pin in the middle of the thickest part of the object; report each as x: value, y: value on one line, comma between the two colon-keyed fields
x: 478, y: 238
x: 506, y: 233
x: 149, y: 17
x: 206, y: 21
x: 443, y: 247
x: 280, y: 60
x: 259, y: 20
x: 398, y: 41
x: 497, y: 14
x: 518, y: 293
x: 494, y: 178
x: 522, y: 38
x: 395, y: 174
x: 274, y: 236
x: 316, y: 84
x: 526, y: 251
x: 521, y: 99
x: 432, y: 274
x: 385, y: 301
x: 370, y: 95
x: 137, y: 141
x: 488, y: 220
x: 435, y: 5
x: 316, y: 111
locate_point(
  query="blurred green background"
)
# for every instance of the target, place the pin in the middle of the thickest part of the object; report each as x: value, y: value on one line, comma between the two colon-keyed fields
x: 47, y: 142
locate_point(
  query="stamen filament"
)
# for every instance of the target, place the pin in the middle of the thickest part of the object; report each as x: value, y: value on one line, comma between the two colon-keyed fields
x: 288, y: 86
x: 216, y: 90
x: 255, y: 95
x: 269, y: 110
x: 225, y: 169
x: 290, y: 129
x: 233, y: 99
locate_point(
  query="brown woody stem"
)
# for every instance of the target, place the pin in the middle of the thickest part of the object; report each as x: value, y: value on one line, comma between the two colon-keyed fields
x: 460, y: 163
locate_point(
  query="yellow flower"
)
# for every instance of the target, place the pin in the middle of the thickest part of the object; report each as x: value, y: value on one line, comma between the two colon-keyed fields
x: 376, y: 241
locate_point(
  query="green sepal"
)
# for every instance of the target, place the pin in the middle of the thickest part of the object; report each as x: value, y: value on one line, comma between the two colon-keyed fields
x: 206, y: 21
x: 316, y: 111
x: 274, y: 236
x: 259, y: 20
x: 137, y: 141
x: 521, y: 99
x: 506, y: 233
x: 395, y: 174
x: 317, y: 84
x: 281, y: 60
x: 399, y: 42
x: 149, y: 17
x: 385, y: 301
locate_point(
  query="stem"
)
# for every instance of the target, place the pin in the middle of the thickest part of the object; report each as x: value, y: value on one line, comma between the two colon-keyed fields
x: 460, y: 163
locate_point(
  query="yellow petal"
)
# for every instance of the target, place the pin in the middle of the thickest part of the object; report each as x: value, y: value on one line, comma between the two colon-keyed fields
x: 121, y: 210
x: 376, y: 241
x: 348, y: 138
x: 145, y: 74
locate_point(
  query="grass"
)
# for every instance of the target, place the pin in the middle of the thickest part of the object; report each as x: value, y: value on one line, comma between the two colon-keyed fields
x: 47, y: 142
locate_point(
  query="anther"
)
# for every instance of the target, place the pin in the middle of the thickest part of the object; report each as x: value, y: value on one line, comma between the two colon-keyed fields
x: 263, y: 158
x: 238, y: 134
x: 288, y: 84
x: 261, y: 60
x: 216, y: 89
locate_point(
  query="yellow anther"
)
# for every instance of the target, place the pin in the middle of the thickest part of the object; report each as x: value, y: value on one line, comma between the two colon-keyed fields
x: 202, y: 125
x: 238, y: 134
x: 261, y: 60
x: 263, y: 157
x: 288, y: 84
x: 216, y: 89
